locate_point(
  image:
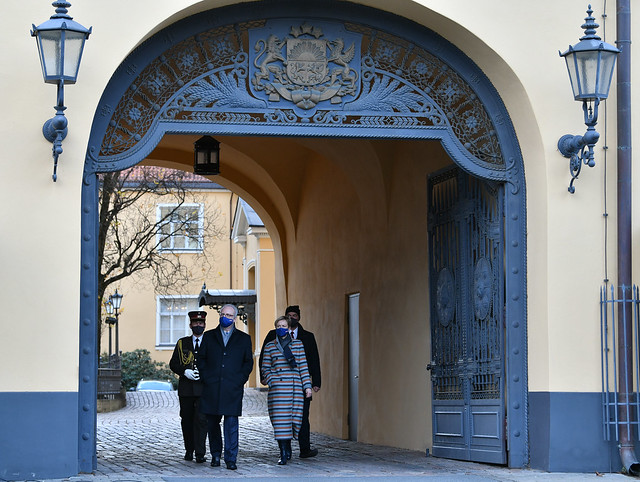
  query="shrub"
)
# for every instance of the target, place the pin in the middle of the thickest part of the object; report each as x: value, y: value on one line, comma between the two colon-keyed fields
x: 138, y: 364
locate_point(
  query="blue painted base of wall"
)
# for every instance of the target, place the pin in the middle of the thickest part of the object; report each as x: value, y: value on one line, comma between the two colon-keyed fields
x: 38, y: 435
x: 566, y: 433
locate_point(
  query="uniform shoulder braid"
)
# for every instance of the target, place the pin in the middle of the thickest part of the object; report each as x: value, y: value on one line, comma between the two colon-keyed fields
x: 185, y: 358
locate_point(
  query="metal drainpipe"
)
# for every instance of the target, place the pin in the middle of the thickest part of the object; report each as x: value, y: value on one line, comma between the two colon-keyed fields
x: 625, y: 344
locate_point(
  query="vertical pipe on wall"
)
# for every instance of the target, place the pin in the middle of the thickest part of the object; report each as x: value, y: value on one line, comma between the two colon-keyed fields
x: 625, y: 318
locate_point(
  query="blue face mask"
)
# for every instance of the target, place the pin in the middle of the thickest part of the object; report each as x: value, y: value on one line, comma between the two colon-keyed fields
x: 226, y: 322
x: 281, y: 331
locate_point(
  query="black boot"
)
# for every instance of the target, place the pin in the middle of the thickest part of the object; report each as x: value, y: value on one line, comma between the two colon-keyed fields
x: 283, y: 452
x: 287, y: 447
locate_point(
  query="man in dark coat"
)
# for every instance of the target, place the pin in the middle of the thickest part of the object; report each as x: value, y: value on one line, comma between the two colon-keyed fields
x: 313, y: 361
x: 182, y: 363
x: 225, y: 361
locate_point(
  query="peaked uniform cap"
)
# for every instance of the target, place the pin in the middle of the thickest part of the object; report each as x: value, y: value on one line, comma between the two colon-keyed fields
x: 197, y: 315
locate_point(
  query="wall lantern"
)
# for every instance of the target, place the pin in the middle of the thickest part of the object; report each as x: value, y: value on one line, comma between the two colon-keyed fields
x: 60, y: 43
x: 206, y: 156
x: 590, y: 63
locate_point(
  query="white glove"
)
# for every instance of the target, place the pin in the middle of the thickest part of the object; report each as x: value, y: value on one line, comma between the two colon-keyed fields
x: 192, y: 375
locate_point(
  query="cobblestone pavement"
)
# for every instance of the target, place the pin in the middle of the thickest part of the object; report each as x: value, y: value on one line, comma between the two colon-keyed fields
x: 143, y: 442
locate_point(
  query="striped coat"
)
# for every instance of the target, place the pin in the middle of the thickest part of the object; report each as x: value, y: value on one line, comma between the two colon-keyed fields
x: 286, y: 388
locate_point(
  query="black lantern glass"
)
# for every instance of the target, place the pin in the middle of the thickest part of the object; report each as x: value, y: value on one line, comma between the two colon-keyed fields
x: 206, y: 156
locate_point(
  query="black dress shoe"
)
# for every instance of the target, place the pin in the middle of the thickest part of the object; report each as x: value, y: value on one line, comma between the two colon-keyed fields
x: 231, y: 465
x: 188, y: 456
x: 309, y: 453
x: 200, y: 459
x: 215, y: 462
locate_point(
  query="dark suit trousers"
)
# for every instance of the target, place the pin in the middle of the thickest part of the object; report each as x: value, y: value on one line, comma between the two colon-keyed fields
x: 194, y: 426
x: 230, y: 437
x: 304, y: 435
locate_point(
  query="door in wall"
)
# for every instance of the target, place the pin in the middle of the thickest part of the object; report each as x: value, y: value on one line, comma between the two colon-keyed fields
x: 354, y: 362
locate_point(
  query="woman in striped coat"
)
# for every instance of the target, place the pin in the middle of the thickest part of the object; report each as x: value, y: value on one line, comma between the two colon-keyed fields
x: 285, y: 371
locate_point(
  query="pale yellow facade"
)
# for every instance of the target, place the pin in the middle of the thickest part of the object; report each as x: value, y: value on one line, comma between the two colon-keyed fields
x: 343, y: 215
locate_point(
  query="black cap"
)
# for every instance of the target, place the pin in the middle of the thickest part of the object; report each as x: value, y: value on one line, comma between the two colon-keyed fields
x: 294, y: 309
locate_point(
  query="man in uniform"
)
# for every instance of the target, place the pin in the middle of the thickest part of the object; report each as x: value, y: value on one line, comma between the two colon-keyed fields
x: 182, y: 363
x: 225, y: 361
x: 313, y: 361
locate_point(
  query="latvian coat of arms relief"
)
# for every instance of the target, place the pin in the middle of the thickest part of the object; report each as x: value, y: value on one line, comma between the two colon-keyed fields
x: 306, y: 67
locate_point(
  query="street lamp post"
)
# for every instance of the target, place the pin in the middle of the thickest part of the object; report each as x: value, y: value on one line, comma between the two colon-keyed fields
x: 108, y: 306
x: 116, y: 301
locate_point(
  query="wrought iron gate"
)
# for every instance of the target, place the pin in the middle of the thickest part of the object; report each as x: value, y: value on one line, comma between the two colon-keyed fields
x: 466, y: 250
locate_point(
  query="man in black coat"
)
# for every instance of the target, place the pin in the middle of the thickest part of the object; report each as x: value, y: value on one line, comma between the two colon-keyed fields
x: 182, y: 363
x: 225, y: 361
x: 313, y: 361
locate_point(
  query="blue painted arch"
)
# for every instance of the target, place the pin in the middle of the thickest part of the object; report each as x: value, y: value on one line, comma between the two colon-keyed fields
x: 411, y: 84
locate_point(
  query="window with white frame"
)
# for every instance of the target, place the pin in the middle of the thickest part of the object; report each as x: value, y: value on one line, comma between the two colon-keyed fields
x: 181, y: 227
x: 173, y: 319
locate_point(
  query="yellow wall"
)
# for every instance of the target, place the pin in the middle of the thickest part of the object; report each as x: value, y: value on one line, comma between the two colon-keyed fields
x: 354, y: 221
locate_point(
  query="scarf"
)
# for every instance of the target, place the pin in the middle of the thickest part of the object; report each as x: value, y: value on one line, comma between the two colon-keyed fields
x: 283, y: 346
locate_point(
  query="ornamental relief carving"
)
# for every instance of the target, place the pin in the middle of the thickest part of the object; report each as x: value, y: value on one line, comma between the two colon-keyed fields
x: 301, y: 74
x: 304, y: 68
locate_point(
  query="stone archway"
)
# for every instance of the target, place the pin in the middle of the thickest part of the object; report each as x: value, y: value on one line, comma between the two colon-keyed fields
x: 330, y: 69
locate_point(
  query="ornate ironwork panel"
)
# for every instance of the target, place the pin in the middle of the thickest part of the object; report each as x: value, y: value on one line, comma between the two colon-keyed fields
x: 466, y: 252
x: 300, y: 74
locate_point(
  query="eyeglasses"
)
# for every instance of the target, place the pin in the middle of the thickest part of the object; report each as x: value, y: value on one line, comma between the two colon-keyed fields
x: 228, y: 315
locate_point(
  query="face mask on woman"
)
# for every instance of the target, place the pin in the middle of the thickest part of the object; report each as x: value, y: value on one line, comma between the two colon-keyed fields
x: 281, y: 332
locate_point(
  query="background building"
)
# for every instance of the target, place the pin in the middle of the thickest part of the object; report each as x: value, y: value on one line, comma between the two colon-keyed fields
x: 223, y: 247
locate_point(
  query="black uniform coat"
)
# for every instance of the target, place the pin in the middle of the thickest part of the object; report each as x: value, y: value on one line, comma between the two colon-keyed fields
x: 310, y: 351
x: 182, y: 359
x: 224, y: 370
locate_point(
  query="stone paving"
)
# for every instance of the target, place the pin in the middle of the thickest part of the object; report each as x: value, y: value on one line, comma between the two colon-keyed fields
x: 143, y: 442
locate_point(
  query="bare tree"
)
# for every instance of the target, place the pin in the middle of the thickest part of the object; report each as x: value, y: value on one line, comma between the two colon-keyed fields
x: 144, y: 211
